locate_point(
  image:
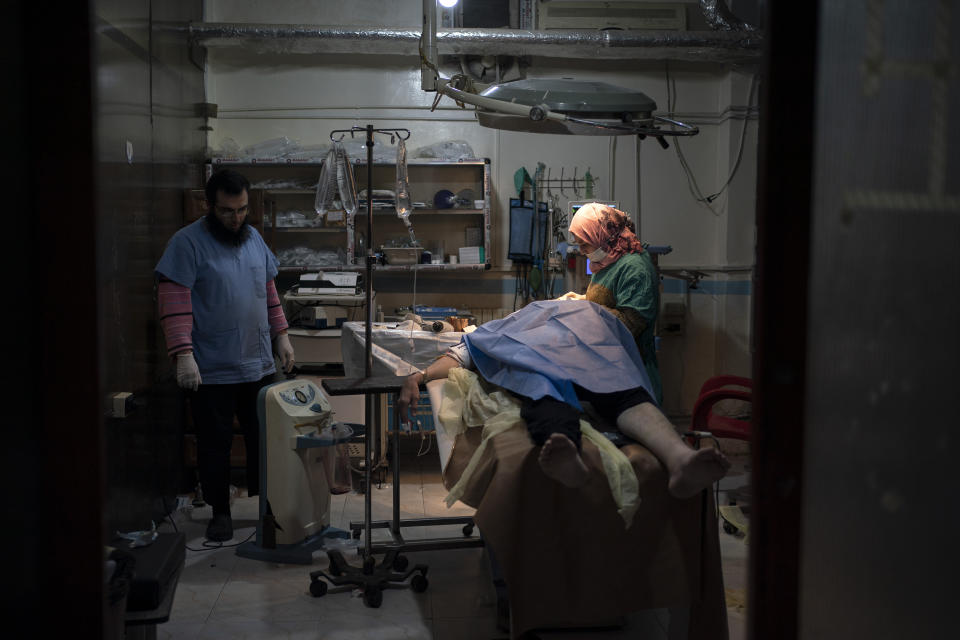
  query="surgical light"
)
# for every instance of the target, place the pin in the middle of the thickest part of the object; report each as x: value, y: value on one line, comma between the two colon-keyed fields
x: 559, y: 106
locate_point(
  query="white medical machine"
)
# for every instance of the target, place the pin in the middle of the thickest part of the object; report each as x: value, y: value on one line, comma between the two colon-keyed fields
x: 297, y: 438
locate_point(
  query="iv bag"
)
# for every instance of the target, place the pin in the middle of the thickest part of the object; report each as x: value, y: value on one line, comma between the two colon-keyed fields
x: 345, y: 181
x: 327, y: 185
x: 403, y: 204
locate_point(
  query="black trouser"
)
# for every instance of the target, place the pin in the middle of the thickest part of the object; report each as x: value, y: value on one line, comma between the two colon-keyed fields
x: 213, y: 407
x: 547, y: 415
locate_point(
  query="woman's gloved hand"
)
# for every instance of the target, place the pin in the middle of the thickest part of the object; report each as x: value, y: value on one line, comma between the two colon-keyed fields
x: 570, y: 295
x: 188, y: 373
x: 284, y: 350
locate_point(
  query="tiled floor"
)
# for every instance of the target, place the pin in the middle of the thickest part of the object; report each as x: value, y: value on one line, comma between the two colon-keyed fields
x: 221, y: 595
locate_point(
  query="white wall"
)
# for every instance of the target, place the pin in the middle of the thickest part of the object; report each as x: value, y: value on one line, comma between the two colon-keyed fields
x: 303, y: 96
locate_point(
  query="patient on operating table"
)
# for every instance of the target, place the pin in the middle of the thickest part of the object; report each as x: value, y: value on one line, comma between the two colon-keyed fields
x: 555, y: 354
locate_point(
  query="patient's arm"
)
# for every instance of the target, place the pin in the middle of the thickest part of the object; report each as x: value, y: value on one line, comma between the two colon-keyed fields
x: 410, y: 393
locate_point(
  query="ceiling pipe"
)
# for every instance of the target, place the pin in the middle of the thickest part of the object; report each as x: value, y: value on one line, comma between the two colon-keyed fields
x: 721, y: 46
x: 730, y: 40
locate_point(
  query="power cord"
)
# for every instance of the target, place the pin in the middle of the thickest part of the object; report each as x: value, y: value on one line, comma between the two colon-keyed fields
x: 692, y: 184
x: 425, y: 436
x: 208, y: 545
x: 698, y: 436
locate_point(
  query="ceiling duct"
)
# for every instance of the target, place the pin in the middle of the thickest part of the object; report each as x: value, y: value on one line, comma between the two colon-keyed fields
x: 694, y: 46
x: 720, y: 17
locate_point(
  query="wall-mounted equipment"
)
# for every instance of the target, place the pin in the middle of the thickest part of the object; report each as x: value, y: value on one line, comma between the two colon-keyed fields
x: 672, y: 319
x: 527, y: 231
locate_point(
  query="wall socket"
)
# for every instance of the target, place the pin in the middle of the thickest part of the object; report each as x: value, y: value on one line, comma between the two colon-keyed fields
x: 672, y: 319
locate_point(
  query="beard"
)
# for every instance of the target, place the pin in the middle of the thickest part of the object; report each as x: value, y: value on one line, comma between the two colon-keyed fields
x: 227, y: 236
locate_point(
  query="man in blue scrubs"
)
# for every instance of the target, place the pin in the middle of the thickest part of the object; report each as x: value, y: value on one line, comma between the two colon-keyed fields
x: 223, y: 320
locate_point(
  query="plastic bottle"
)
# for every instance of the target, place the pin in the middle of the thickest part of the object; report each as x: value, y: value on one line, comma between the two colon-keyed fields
x: 588, y: 185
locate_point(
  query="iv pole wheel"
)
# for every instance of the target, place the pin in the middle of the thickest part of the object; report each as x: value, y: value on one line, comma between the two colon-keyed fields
x: 372, y: 596
x: 419, y: 583
x: 318, y: 588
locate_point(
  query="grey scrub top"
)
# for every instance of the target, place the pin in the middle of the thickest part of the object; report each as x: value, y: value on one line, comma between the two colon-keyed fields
x: 228, y: 285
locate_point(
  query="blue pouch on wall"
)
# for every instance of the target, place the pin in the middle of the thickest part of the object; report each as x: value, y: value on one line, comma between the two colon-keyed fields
x: 527, y: 232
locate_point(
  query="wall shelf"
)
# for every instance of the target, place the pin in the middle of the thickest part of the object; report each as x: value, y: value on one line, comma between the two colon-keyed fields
x: 435, y: 229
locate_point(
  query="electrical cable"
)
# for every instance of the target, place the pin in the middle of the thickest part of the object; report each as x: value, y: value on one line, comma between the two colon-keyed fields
x: 428, y: 437
x: 698, y: 436
x: 208, y: 545
x: 743, y: 134
x: 692, y: 184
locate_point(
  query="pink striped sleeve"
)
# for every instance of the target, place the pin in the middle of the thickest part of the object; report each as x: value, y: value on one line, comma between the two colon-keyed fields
x: 176, y: 316
x: 278, y: 322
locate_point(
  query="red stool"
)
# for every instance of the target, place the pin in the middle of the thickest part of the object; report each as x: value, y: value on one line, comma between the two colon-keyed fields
x: 713, y: 391
x: 705, y: 420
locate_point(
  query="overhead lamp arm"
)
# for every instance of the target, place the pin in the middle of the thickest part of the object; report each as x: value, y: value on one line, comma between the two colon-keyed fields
x: 511, y: 108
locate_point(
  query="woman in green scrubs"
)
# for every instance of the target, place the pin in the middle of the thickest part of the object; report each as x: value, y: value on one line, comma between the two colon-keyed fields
x: 624, y: 277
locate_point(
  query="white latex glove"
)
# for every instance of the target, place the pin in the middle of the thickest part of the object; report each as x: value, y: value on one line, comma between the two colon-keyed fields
x: 284, y: 349
x: 570, y: 295
x: 188, y: 373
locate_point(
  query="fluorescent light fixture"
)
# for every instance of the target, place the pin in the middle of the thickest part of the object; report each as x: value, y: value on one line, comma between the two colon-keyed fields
x: 447, y: 3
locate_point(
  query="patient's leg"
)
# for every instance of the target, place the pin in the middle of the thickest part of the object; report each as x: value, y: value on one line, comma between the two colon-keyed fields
x: 555, y: 426
x: 561, y: 461
x: 690, y: 470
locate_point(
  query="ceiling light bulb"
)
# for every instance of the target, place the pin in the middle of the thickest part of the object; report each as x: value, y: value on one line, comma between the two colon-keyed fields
x: 447, y: 3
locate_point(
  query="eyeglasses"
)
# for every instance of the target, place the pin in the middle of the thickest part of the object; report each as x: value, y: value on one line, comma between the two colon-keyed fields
x: 227, y: 212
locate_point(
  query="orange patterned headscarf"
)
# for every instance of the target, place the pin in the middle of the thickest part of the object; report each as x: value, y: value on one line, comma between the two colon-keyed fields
x: 606, y: 228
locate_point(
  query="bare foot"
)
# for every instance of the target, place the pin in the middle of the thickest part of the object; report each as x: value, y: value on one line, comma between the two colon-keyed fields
x: 696, y: 471
x: 561, y: 461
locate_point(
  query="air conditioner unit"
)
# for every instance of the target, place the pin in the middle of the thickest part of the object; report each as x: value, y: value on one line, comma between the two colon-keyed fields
x: 582, y: 14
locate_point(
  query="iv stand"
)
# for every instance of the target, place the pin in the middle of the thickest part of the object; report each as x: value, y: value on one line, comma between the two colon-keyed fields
x: 371, y: 577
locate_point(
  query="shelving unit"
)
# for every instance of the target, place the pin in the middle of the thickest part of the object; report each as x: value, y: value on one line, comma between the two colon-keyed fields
x: 279, y: 186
